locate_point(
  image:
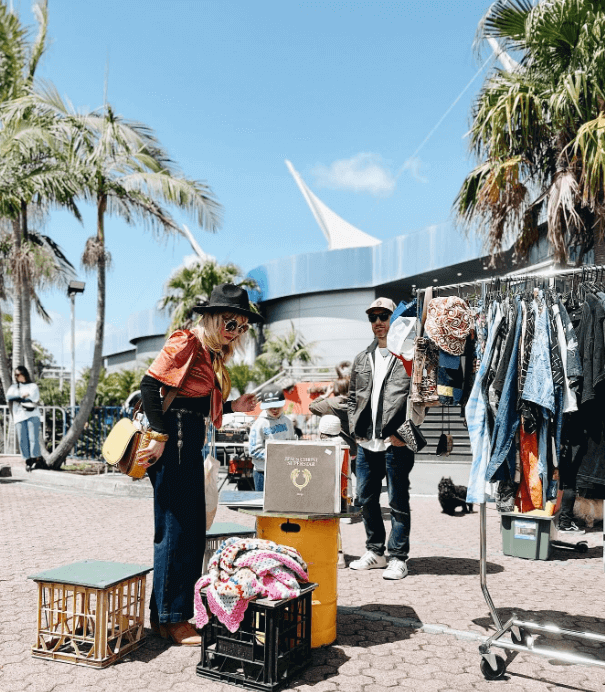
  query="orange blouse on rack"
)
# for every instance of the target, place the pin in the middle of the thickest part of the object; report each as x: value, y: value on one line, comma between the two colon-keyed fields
x: 184, y: 363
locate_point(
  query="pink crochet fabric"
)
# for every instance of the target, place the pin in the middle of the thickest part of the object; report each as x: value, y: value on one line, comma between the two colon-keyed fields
x: 242, y: 569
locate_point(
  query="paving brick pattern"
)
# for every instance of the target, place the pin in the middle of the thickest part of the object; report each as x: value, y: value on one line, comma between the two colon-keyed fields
x: 421, y: 633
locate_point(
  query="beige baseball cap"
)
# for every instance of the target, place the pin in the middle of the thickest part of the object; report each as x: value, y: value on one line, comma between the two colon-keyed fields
x: 382, y: 303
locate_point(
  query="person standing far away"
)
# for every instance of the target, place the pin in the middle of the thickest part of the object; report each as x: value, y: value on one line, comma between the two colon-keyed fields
x: 23, y: 397
x: 377, y: 402
x: 272, y: 424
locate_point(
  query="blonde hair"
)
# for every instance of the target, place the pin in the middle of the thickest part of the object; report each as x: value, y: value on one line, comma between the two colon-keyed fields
x: 209, y: 330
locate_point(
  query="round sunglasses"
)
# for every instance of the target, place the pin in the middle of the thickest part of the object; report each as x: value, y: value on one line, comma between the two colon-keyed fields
x: 382, y: 316
x: 232, y: 324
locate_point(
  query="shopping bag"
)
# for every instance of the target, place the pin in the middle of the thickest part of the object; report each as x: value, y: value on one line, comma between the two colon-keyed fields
x: 211, y: 467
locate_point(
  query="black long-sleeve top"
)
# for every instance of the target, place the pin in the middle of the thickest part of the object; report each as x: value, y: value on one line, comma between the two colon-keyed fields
x: 152, y: 404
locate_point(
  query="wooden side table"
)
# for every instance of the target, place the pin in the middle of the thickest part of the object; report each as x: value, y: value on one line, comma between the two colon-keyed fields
x: 90, y: 613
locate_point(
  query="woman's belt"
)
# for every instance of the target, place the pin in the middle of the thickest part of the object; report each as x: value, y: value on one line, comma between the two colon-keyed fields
x: 200, y: 406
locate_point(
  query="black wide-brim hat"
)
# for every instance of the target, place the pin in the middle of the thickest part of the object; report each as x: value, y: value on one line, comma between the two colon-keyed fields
x: 229, y: 298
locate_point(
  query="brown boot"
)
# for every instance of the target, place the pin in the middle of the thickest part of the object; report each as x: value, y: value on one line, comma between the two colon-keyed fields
x: 182, y: 633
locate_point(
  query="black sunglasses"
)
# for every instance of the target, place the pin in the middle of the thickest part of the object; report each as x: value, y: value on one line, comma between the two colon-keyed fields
x: 382, y: 316
x: 232, y: 325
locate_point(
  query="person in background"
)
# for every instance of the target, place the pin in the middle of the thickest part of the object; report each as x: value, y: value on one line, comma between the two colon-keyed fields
x: 338, y: 406
x: 377, y: 402
x: 192, y: 362
x: 272, y: 424
x: 330, y: 429
x: 23, y: 397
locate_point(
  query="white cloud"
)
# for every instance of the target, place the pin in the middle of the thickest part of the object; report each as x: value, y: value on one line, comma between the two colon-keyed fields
x: 413, y: 165
x: 364, y: 172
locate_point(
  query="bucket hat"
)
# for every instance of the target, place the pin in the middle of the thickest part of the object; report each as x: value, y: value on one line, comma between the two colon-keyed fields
x: 329, y: 425
x: 272, y: 397
x: 448, y: 323
x: 229, y: 298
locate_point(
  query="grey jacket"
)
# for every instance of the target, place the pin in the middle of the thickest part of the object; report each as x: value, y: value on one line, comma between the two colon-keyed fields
x: 392, y: 403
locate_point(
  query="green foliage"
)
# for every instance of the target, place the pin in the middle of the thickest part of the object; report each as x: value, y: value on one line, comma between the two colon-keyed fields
x: 51, y: 394
x: 287, y: 350
x: 538, y: 128
x: 113, y: 389
x: 241, y: 376
x: 190, y: 285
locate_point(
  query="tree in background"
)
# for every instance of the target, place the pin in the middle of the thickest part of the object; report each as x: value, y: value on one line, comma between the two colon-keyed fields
x: 538, y: 129
x: 280, y: 352
x: 33, y: 176
x: 124, y: 172
x: 190, y: 285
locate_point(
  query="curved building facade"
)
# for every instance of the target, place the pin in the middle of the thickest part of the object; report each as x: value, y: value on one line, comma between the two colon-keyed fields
x: 324, y: 295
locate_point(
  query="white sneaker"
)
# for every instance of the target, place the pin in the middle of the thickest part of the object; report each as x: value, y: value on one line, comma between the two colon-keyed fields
x: 369, y: 561
x: 397, y: 569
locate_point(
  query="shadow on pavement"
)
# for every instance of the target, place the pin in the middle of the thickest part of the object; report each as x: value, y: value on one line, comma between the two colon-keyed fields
x: 449, y: 565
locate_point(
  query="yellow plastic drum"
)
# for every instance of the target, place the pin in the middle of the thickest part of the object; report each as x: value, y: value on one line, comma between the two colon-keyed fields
x: 317, y: 542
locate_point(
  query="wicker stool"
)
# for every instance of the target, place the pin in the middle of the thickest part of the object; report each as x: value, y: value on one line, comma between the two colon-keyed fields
x: 90, y: 613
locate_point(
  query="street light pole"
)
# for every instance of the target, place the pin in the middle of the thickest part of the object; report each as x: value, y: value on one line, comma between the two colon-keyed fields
x: 73, y: 288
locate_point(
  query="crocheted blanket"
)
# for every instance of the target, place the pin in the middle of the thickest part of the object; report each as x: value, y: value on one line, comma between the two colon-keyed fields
x: 245, y: 568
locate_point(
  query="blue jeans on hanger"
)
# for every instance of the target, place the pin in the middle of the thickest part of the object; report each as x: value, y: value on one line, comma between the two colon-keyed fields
x: 502, y: 463
x: 395, y: 463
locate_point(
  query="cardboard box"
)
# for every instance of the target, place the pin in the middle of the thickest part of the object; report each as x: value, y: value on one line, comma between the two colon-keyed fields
x: 303, y: 477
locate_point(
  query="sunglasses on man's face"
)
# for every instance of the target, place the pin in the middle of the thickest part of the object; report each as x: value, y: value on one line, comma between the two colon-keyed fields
x: 382, y: 316
x: 232, y: 325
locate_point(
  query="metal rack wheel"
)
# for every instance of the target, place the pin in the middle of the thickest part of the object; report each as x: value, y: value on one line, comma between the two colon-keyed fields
x: 488, y: 672
x: 523, y: 638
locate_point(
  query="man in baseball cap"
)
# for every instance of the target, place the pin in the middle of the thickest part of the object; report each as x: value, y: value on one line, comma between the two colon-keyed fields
x: 377, y: 401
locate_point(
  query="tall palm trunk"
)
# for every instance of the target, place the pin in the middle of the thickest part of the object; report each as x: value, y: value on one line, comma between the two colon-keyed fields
x: 5, y: 373
x: 26, y: 304
x: 59, y: 455
x: 17, y: 297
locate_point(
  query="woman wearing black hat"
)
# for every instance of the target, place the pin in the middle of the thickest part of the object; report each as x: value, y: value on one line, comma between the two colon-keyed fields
x: 193, y: 363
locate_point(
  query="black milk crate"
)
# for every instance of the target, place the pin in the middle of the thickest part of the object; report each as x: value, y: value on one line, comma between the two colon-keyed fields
x: 272, y: 644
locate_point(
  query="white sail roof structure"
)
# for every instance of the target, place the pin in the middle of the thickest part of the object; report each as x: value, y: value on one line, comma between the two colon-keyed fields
x: 339, y: 233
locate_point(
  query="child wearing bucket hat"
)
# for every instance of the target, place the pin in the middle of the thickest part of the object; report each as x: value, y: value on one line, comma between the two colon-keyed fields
x: 272, y: 424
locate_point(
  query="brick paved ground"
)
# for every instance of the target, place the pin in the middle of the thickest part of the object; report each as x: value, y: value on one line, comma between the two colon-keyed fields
x: 421, y: 633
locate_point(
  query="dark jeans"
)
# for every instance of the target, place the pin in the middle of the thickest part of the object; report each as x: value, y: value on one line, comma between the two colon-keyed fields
x: 180, y: 520
x: 259, y: 480
x: 396, y: 464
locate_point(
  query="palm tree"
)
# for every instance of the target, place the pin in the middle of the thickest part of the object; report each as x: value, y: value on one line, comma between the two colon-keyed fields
x: 191, y: 284
x: 31, y: 177
x: 287, y: 350
x: 123, y: 170
x: 538, y: 130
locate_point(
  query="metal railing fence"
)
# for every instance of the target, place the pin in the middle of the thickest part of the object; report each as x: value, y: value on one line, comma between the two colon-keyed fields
x: 55, y: 423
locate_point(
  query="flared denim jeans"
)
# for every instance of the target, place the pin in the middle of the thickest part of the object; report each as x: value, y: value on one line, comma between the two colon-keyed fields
x: 180, y: 518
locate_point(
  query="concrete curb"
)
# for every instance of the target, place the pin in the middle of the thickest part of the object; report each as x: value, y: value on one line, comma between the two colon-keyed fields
x: 104, y: 484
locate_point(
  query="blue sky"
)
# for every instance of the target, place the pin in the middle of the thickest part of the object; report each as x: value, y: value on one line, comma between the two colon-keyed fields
x: 347, y: 91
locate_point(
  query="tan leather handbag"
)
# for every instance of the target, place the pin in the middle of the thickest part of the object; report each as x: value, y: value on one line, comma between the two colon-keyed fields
x: 127, y: 438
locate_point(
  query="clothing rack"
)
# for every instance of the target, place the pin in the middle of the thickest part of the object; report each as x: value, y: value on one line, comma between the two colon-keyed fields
x: 511, y: 278
x: 492, y: 666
